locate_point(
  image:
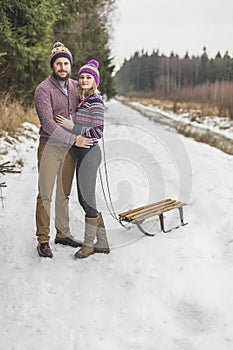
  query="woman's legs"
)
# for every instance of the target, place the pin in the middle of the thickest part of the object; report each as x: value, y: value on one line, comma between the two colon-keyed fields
x: 86, y: 173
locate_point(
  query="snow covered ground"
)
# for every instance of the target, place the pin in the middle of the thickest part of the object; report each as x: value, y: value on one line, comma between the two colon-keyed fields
x: 215, y: 131
x: 168, y: 292
x: 222, y: 126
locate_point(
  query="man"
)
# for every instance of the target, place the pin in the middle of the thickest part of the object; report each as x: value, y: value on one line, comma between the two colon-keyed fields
x: 56, y: 95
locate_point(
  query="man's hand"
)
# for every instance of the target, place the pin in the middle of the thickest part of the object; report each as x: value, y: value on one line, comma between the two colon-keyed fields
x: 83, y: 142
x: 66, y: 123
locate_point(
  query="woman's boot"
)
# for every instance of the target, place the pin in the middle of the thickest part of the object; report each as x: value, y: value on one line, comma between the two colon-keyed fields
x: 91, y: 225
x: 101, y: 246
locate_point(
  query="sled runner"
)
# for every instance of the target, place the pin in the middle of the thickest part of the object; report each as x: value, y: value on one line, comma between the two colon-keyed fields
x: 138, y: 215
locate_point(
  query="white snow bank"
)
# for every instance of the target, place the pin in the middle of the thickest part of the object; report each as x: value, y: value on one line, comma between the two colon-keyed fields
x: 222, y: 126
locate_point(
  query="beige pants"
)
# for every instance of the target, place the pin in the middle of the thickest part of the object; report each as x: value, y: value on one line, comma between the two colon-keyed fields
x: 55, y: 164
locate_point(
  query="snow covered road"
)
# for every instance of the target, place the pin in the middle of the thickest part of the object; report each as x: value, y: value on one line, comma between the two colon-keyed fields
x: 168, y: 292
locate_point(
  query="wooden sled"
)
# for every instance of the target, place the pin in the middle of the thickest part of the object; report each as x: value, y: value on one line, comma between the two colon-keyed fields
x: 138, y: 215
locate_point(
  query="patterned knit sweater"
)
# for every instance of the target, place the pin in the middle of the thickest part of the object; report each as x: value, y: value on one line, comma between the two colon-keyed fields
x: 89, y: 118
x: 51, y: 100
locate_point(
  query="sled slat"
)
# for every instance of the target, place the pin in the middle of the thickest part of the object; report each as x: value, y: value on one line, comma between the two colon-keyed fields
x: 145, y: 207
x: 147, y: 211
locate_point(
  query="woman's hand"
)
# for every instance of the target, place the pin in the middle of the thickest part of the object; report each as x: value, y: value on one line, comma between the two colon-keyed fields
x: 66, y: 123
x: 84, y: 142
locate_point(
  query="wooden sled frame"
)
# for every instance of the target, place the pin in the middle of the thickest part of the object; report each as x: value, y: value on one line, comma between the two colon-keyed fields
x: 138, y: 215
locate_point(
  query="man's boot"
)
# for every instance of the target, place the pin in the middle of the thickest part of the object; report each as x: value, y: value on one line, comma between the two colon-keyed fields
x: 101, y: 246
x: 44, y: 250
x: 91, y: 225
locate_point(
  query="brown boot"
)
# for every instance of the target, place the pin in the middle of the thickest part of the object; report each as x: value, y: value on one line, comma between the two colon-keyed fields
x: 44, y: 250
x: 71, y: 241
x: 101, y: 246
x: 84, y: 252
x: 91, y: 225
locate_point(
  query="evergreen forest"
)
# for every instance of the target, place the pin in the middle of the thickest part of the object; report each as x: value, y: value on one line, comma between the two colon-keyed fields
x: 28, y: 29
x: 197, y: 78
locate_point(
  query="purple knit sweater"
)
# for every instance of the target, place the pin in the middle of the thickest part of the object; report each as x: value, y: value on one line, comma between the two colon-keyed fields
x: 51, y: 100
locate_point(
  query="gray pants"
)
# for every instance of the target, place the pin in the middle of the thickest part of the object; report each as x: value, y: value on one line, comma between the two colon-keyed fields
x: 88, y: 162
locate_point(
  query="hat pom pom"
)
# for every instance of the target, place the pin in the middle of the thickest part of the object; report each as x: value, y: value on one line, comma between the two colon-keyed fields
x: 94, y: 63
x: 58, y: 44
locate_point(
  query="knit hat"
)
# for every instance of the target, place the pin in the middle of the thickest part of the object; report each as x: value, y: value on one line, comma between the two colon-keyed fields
x: 59, y: 50
x: 91, y: 68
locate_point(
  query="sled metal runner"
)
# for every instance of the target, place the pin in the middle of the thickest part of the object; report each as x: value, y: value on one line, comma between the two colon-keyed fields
x: 138, y: 215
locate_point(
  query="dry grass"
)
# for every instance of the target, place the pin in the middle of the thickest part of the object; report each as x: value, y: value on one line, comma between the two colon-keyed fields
x: 200, y: 109
x: 13, y: 114
x: 204, y: 100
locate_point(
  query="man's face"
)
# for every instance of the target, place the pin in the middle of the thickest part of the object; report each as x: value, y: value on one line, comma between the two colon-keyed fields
x: 62, y: 68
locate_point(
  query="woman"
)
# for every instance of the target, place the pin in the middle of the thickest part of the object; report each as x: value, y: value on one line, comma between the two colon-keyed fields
x: 88, y: 124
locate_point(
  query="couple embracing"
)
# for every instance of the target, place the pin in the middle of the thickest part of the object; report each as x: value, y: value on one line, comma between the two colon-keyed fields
x: 71, y: 115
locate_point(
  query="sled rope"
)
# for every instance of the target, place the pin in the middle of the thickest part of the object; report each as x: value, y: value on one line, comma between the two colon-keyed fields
x: 109, y: 206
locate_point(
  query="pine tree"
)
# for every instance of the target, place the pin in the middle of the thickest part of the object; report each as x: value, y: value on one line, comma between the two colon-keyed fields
x: 26, y: 33
x: 6, y: 168
x: 84, y: 28
x: 28, y: 29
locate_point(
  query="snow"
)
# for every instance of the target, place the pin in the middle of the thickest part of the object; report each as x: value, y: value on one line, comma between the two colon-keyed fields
x: 168, y: 292
x: 221, y: 126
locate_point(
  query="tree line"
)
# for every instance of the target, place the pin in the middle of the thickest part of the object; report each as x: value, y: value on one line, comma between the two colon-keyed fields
x: 197, y: 78
x: 28, y: 29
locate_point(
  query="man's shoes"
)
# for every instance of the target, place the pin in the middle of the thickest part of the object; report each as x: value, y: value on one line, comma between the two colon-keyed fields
x: 44, y: 250
x: 68, y: 241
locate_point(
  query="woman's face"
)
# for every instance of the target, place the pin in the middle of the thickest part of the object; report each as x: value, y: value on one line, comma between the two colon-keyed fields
x: 86, y: 81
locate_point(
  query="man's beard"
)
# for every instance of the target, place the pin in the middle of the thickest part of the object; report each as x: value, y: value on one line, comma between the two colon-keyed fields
x: 59, y: 78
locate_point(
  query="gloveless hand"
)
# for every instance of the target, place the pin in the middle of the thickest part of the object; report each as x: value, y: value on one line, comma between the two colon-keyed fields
x: 66, y: 123
x: 84, y: 142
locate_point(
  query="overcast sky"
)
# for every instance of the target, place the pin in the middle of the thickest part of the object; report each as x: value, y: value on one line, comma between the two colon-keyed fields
x: 172, y: 25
